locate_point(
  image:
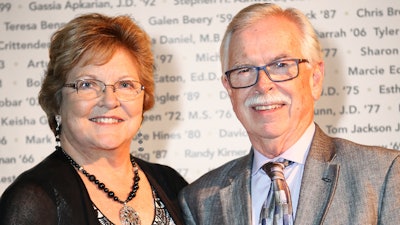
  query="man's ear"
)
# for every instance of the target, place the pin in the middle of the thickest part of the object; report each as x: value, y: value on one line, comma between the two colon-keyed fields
x: 225, y: 82
x: 317, y: 80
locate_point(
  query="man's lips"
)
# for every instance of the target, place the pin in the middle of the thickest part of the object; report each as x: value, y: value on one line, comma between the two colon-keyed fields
x: 267, y: 107
x: 107, y: 120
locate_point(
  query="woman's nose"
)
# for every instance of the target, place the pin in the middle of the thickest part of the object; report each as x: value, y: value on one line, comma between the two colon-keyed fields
x: 109, y: 97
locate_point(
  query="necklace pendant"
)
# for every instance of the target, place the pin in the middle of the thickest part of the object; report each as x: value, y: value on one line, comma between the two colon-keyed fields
x: 129, y: 216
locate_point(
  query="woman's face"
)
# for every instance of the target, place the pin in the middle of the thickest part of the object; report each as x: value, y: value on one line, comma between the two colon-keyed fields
x: 104, y: 122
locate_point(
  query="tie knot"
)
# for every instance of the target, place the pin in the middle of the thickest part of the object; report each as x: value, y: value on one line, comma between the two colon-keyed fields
x: 275, y: 169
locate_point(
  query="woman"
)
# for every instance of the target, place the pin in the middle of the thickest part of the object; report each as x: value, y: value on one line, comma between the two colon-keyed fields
x: 98, y: 84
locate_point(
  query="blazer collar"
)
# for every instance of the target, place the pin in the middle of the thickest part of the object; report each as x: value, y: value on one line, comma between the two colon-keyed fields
x: 235, y: 197
x: 319, y: 180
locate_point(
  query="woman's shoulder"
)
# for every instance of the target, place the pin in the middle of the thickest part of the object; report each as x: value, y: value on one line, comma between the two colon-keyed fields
x: 29, y: 193
x: 50, y: 167
x: 41, y: 179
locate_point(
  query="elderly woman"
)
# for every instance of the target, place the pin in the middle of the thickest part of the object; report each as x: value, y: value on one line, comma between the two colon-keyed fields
x: 98, y: 84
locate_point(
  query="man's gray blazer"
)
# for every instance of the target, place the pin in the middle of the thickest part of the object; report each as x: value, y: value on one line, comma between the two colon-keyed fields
x: 343, y: 183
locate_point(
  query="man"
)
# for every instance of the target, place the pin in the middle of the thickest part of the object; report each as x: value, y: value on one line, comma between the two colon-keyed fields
x: 273, y: 74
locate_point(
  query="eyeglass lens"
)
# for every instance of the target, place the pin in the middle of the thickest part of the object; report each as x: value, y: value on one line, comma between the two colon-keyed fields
x: 124, y: 90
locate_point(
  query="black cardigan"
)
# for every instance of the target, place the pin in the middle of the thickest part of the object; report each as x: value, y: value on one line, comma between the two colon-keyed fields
x: 53, y: 193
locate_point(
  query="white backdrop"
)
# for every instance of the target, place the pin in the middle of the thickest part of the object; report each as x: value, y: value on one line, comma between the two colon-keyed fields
x: 192, y: 128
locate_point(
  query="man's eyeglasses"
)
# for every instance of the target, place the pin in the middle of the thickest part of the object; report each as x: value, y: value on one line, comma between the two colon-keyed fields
x: 277, y: 71
x: 125, y: 90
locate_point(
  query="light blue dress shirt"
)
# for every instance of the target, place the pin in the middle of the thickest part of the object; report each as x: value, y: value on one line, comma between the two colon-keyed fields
x: 260, y: 182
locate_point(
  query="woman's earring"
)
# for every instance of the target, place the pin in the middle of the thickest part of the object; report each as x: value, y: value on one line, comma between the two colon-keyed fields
x: 139, y: 137
x: 58, y: 129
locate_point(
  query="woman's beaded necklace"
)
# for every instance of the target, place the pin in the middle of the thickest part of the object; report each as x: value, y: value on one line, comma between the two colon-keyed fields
x: 127, y: 214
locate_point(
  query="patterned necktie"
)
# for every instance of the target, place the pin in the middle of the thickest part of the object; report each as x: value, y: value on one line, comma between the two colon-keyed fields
x: 277, y: 209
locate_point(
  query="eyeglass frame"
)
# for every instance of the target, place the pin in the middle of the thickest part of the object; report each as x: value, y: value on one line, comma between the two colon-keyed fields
x: 74, y: 85
x: 264, y: 68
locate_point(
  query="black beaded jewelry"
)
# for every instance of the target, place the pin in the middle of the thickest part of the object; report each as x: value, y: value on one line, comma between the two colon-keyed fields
x: 139, y: 137
x: 127, y: 214
x: 102, y: 186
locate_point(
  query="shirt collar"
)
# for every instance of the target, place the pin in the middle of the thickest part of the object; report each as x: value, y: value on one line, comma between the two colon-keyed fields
x: 296, y: 153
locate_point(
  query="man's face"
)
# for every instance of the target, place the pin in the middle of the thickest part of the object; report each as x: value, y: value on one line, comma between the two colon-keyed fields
x: 288, y: 107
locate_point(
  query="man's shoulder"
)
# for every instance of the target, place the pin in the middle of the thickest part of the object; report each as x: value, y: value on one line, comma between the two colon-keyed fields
x: 348, y: 146
x: 222, y: 175
x: 367, y: 157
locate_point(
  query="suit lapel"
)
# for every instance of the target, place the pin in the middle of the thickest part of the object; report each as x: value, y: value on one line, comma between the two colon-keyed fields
x: 319, y: 181
x: 235, y: 197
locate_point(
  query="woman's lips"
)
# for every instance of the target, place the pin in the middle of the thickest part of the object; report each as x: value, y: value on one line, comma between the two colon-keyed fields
x: 107, y: 120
